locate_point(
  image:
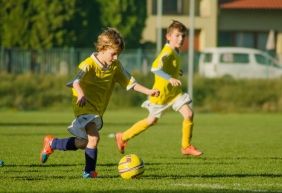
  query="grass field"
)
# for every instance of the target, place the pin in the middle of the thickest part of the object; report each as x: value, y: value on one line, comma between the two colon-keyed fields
x: 242, y: 153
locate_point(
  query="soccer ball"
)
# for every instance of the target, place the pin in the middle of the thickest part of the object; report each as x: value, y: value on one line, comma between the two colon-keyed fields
x: 130, y: 166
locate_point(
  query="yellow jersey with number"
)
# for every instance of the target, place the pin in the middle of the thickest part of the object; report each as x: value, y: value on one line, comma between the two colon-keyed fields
x: 97, y: 84
x: 169, y: 62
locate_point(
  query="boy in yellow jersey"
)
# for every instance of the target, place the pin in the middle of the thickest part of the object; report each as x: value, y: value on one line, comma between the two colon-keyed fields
x: 92, y: 88
x: 166, y: 70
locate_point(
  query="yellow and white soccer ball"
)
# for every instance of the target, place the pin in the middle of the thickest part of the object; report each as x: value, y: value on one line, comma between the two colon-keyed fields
x: 130, y: 166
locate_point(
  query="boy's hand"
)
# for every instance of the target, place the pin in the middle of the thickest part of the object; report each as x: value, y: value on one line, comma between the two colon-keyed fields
x: 174, y: 82
x: 81, y: 101
x: 154, y: 92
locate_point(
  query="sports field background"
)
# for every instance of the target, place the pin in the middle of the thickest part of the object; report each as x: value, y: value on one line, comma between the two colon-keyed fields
x: 242, y: 153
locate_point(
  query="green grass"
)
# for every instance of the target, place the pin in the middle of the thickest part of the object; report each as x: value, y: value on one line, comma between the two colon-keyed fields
x: 242, y: 153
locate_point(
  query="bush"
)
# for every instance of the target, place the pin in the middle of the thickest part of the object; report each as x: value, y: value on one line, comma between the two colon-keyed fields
x: 229, y: 95
x: 34, y: 92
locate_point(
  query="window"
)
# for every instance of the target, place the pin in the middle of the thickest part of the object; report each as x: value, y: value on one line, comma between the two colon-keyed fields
x: 172, y: 7
x: 225, y: 39
x: 169, y: 7
x: 243, y: 39
x: 175, y: 7
x: 261, y: 59
x: 207, y: 57
x: 261, y: 41
x: 234, y: 58
x: 226, y: 58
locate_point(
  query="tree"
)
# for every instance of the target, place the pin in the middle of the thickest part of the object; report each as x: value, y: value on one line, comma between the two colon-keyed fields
x: 40, y: 24
x: 91, y: 16
x: 85, y: 24
x: 128, y: 16
x: 35, y: 24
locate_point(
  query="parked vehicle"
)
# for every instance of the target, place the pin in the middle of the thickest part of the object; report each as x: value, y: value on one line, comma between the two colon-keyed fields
x: 238, y: 63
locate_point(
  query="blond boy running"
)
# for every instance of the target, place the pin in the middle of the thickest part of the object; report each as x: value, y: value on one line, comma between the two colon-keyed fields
x: 92, y: 88
x: 166, y: 70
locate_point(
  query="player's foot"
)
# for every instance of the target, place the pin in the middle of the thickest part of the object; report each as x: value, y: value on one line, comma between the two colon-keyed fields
x: 191, y: 150
x: 120, y: 143
x: 92, y: 174
x: 47, y: 149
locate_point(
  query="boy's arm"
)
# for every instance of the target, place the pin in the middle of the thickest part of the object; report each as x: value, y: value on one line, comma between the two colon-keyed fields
x: 151, y: 92
x: 161, y: 73
x: 157, y: 70
x: 128, y: 81
x: 81, y: 100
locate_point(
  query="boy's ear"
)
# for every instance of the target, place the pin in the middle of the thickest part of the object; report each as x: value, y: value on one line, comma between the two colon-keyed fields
x: 167, y: 35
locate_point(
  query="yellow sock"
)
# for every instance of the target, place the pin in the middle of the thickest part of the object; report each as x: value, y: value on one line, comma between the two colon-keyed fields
x: 136, y: 129
x: 187, y: 126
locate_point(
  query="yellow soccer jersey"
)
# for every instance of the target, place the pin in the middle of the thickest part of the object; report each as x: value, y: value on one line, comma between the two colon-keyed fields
x: 169, y: 62
x: 98, y: 83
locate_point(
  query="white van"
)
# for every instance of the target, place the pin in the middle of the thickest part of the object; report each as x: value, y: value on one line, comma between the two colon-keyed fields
x: 238, y: 63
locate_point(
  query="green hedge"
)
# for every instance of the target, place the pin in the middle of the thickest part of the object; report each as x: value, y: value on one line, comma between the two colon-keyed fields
x: 229, y: 95
x: 34, y: 92
x: 31, y: 92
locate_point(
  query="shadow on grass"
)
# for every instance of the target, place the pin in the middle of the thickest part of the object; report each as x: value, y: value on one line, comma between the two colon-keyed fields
x: 158, y: 177
x: 269, y: 175
x: 166, y: 191
x: 33, y: 124
x: 43, y: 165
x: 53, y: 123
x: 226, y: 160
x: 196, y: 163
x: 18, y: 124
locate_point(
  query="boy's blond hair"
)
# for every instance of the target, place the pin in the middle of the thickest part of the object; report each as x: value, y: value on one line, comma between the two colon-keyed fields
x: 176, y: 25
x: 110, y: 38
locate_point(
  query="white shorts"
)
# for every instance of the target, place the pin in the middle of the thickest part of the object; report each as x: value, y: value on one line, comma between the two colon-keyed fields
x: 157, y: 110
x: 77, y: 127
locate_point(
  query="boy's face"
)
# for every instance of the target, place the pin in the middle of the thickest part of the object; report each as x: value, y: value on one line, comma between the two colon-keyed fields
x: 175, y: 38
x: 110, y: 55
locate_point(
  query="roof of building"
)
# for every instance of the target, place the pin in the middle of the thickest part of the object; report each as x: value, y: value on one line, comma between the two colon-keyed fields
x: 250, y: 4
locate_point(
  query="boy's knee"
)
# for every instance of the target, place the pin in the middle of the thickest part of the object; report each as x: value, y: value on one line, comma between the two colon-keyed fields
x: 93, y: 141
x: 188, y: 115
x: 152, y: 121
x: 80, y: 143
x: 83, y: 143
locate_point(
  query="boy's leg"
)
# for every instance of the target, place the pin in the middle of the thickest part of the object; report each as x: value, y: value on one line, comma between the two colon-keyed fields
x: 187, y: 127
x: 91, y: 151
x: 46, y: 150
x: 51, y: 143
x: 136, y: 129
x: 64, y: 144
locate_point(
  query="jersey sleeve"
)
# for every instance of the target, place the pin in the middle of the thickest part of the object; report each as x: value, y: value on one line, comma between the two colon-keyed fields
x: 83, y: 68
x: 158, y: 63
x: 124, y: 78
x: 162, y: 74
x: 157, y: 67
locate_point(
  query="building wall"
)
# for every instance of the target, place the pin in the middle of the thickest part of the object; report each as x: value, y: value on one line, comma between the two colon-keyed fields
x: 262, y: 20
x: 205, y: 22
x: 254, y: 21
x: 210, y: 21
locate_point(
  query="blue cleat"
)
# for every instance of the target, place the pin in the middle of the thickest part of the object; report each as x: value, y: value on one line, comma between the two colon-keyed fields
x: 92, y: 174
